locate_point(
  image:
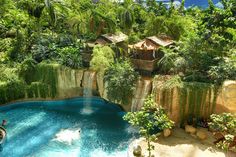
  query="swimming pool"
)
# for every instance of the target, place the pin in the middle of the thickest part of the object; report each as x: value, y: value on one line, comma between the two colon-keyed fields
x: 76, y: 127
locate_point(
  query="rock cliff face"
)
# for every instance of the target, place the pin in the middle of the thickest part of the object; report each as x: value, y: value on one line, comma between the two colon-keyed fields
x: 179, y: 102
x: 226, y: 101
x: 199, y: 98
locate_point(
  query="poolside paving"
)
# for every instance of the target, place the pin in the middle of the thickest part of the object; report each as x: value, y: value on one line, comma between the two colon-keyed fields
x: 182, y: 144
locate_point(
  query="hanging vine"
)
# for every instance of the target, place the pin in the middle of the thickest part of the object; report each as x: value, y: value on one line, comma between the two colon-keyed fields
x: 196, y: 100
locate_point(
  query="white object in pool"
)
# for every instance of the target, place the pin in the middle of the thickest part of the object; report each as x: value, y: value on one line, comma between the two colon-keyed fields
x: 67, y: 136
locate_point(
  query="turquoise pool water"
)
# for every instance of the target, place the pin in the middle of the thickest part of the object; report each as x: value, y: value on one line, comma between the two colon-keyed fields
x: 70, y: 128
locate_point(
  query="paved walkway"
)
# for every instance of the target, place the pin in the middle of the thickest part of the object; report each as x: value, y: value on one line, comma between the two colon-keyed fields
x: 181, y: 144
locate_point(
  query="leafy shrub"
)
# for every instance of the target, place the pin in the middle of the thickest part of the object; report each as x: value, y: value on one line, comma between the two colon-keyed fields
x: 64, y: 40
x: 226, y: 69
x: 11, y: 90
x: 70, y: 56
x: 8, y: 74
x: 150, y: 119
x: 103, y: 57
x: 226, y: 124
x: 43, y: 49
x: 121, y: 80
x: 167, y: 62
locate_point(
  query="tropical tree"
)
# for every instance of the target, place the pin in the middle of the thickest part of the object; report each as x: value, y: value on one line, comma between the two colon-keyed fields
x: 167, y: 62
x: 102, y: 58
x: 121, y: 80
x: 149, y: 120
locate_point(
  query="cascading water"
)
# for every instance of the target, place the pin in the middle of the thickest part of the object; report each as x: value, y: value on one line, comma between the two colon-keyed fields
x: 142, y: 90
x: 88, y: 81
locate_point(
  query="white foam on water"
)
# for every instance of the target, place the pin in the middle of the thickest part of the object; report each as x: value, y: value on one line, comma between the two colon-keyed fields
x: 67, y: 136
x: 86, y: 111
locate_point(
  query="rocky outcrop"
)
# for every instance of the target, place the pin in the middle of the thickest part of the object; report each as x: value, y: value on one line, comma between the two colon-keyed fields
x: 69, y: 82
x: 166, y: 132
x: 137, y: 150
x: 190, y: 129
x: 226, y: 101
x: 143, y: 89
x: 202, y: 135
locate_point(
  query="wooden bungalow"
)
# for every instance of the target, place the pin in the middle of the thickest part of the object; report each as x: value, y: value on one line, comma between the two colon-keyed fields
x: 146, y: 53
x: 105, y: 39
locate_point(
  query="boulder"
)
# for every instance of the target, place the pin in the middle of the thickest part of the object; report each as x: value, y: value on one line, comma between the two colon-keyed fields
x: 166, y: 132
x: 190, y: 129
x: 202, y: 135
x: 137, y: 150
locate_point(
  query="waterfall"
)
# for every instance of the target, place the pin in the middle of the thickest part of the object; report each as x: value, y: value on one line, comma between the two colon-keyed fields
x: 143, y: 89
x: 88, y: 82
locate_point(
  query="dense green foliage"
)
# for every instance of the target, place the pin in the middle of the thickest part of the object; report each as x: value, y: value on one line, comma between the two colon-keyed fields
x: 70, y: 56
x: 11, y: 91
x: 102, y: 58
x: 121, y: 80
x: 30, y: 81
x: 150, y: 119
x: 226, y: 124
x: 56, y: 30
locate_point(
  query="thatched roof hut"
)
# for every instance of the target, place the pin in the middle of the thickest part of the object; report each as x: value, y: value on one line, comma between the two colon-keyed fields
x: 152, y: 43
x: 145, y: 54
x: 111, y: 38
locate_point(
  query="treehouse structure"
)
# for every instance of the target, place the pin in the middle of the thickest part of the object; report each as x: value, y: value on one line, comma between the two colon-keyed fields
x: 146, y: 53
